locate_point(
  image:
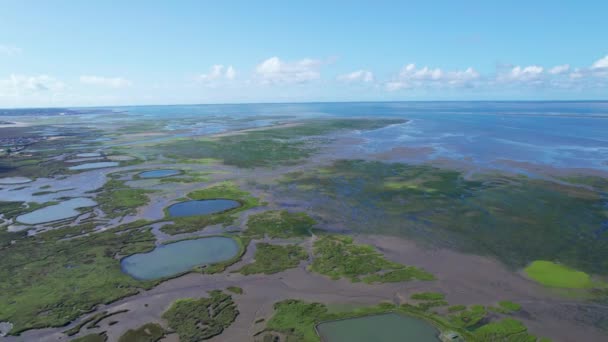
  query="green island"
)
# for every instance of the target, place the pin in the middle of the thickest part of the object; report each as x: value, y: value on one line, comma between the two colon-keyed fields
x: 150, y: 332
x: 338, y: 256
x: 271, y: 259
x: 200, y: 319
x: 279, y: 224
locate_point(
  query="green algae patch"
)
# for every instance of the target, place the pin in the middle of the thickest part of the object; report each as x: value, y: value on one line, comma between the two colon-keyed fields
x: 556, y: 275
x: 271, y: 259
x: 201, y: 319
x: 224, y: 190
x: 279, y: 224
x: 150, y: 332
x: 338, y: 257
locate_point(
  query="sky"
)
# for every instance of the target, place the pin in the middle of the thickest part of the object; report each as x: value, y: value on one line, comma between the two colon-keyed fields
x: 105, y: 53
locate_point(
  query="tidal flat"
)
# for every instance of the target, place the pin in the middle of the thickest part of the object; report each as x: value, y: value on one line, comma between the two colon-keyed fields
x: 331, y: 216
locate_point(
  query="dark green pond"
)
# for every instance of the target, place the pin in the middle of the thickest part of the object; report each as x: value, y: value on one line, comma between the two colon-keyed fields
x: 389, y: 327
x: 178, y: 257
x: 202, y: 207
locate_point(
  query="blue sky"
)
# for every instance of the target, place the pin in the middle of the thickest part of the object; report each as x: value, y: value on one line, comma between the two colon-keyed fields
x: 85, y: 53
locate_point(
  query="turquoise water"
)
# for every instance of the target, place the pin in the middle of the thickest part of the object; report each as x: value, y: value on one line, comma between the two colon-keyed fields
x: 56, y: 212
x: 202, y: 207
x: 159, y: 173
x: 378, y: 328
x: 178, y: 257
x: 89, y: 166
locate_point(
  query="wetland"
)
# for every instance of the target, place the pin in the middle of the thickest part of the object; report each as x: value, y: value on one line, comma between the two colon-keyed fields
x: 306, y: 222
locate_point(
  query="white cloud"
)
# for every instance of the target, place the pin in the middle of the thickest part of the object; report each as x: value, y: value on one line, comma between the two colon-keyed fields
x: 519, y: 74
x: 9, y: 50
x: 274, y: 70
x: 412, y: 77
x: 601, y: 63
x: 17, y: 85
x: 559, y: 69
x: 111, y: 82
x: 230, y: 73
x: 218, y: 72
x: 357, y: 76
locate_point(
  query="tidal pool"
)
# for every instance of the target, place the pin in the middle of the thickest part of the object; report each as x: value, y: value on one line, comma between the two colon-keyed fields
x: 14, y: 180
x: 88, y: 155
x: 159, y: 173
x: 175, y: 258
x: 88, y: 166
x: 202, y: 207
x: 56, y: 212
x: 389, y: 327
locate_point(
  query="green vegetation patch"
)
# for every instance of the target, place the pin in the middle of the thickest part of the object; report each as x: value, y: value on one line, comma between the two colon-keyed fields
x: 279, y: 224
x: 101, y: 337
x: 338, y: 256
x: 201, y: 319
x: 428, y: 296
x: 271, y: 259
x: 117, y: 199
x: 468, y: 318
x: 457, y: 308
x: 556, y: 275
x: 507, y: 329
x: 508, y: 306
x: 266, y: 147
x: 48, y: 282
x: 513, y: 218
x: 235, y: 290
x: 150, y: 332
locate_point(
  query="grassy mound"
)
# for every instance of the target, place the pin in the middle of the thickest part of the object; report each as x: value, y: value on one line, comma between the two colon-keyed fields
x: 338, y: 256
x: 279, y: 224
x: 201, y: 319
x: 271, y: 259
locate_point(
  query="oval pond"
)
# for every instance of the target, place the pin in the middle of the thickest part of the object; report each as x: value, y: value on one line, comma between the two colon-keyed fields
x: 159, y: 173
x: 63, y: 210
x: 175, y: 258
x: 389, y: 327
x: 201, y: 207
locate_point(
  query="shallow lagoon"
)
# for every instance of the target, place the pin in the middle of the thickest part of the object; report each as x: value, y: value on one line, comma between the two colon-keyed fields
x: 56, y: 212
x: 390, y: 327
x: 159, y: 173
x: 178, y: 257
x: 89, y: 166
x: 14, y: 180
x: 202, y: 207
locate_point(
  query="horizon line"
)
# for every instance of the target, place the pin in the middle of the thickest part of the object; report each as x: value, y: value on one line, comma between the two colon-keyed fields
x: 278, y: 103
